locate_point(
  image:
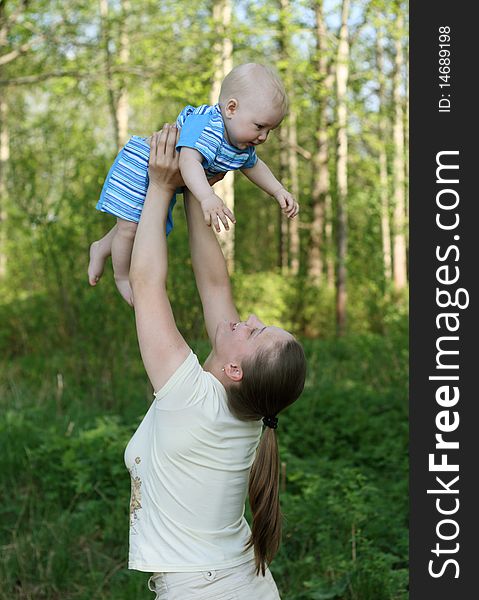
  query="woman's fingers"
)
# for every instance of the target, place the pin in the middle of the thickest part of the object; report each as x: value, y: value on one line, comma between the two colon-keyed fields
x: 170, y: 141
x: 229, y: 214
x: 174, y: 137
x: 163, y: 152
x: 215, y: 222
x: 163, y: 139
x: 224, y: 220
x: 158, y: 143
x: 152, y: 148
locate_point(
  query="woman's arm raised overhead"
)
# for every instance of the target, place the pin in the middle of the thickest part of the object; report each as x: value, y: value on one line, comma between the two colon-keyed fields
x: 162, y: 347
x: 210, y: 269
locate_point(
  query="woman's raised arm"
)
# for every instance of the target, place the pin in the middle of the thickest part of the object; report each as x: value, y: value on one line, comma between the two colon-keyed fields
x: 209, y: 266
x: 162, y: 347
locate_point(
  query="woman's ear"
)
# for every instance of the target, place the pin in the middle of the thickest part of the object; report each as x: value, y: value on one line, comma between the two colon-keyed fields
x: 234, y: 371
x: 231, y: 107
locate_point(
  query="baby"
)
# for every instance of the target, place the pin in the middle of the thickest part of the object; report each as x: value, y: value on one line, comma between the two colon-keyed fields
x: 213, y: 140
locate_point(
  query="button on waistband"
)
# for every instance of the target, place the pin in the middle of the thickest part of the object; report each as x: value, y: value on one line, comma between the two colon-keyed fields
x: 209, y: 575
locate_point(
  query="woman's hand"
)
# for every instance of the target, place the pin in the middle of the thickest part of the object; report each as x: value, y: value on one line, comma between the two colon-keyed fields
x: 163, y: 168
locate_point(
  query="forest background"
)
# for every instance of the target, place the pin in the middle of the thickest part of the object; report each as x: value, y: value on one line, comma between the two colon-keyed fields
x: 76, y: 80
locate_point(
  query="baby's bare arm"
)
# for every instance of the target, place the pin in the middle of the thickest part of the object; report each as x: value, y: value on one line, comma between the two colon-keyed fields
x: 193, y: 173
x: 214, y: 209
x: 262, y: 176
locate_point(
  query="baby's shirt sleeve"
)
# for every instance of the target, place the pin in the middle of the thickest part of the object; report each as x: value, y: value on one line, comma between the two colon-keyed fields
x: 252, y: 159
x: 200, y: 133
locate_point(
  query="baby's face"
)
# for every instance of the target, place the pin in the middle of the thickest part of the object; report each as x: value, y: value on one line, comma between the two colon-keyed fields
x: 249, y: 123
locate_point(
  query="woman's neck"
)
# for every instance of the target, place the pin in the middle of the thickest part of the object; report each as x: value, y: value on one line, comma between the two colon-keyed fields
x: 213, y: 366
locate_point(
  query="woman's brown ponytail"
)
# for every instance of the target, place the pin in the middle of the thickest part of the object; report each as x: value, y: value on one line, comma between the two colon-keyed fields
x: 271, y: 381
x: 264, y: 501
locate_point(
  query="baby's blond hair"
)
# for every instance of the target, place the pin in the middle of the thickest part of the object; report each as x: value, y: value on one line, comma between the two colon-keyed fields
x: 250, y: 78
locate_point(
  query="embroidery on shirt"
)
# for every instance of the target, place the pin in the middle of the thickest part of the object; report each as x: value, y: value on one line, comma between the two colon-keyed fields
x: 135, y: 501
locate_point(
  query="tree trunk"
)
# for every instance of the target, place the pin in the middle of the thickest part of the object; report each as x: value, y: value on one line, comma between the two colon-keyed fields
x: 112, y: 101
x: 320, y: 187
x: 283, y: 237
x: 406, y: 155
x: 285, y: 45
x: 342, y: 72
x: 329, y: 239
x: 289, y: 142
x: 223, y: 63
x: 117, y: 92
x: 4, y: 157
x: 399, y: 262
x: 122, y: 105
x: 293, y: 170
x: 383, y: 171
x: 4, y: 149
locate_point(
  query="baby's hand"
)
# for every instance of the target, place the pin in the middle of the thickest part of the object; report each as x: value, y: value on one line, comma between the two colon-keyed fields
x: 288, y: 204
x: 213, y: 209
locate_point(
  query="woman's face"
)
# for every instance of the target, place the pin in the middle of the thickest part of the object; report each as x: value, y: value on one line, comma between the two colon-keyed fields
x: 236, y: 341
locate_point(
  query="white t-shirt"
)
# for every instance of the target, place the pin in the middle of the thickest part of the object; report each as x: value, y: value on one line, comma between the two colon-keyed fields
x: 189, y: 462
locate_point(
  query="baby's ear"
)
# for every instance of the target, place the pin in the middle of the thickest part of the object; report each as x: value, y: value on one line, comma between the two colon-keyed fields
x: 231, y: 107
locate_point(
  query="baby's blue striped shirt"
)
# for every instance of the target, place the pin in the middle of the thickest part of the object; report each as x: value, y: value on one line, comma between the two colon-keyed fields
x: 203, y: 128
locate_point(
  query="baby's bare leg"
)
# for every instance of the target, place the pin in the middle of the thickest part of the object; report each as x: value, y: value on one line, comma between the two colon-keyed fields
x: 121, y: 248
x: 99, y: 252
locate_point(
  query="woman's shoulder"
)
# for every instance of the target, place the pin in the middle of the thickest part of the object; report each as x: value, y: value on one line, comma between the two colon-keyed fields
x: 186, y: 374
x: 189, y: 385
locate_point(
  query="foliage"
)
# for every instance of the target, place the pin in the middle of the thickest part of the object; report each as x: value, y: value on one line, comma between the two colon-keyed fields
x: 65, y: 488
x: 61, y: 140
x: 72, y: 386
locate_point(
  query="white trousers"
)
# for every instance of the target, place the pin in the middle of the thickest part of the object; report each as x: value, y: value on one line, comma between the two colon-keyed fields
x: 236, y: 583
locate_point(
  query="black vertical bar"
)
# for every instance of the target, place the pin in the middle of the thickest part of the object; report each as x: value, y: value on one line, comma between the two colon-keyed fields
x: 444, y: 236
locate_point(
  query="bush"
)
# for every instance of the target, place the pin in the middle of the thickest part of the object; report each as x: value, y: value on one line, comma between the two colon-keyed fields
x: 64, y: 518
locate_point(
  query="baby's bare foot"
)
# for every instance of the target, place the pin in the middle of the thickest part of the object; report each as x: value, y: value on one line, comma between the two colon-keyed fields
x: 96, y: 264
x: 125, y: 290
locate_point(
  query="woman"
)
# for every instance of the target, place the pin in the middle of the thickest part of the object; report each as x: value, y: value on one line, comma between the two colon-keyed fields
x: 191, y: 457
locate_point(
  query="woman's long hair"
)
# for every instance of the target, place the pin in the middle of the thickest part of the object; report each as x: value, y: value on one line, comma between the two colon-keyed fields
x: 272, y: 380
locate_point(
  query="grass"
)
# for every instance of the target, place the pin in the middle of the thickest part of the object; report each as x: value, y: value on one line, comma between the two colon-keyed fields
x: 66, y: 417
